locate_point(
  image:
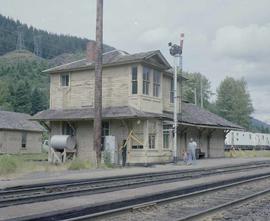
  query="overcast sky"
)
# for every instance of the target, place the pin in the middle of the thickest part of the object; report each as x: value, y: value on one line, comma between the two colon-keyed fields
x: 222, y: 37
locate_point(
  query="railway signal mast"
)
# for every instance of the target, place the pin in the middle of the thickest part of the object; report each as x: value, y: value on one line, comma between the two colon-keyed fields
x: 176, y: 52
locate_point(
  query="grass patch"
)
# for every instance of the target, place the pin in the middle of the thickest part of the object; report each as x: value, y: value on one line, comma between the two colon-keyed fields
x: 78, y: 164
x: 247, y: 153
x: 33, y: 156
x: 8, y: 164
x: 17, y: 164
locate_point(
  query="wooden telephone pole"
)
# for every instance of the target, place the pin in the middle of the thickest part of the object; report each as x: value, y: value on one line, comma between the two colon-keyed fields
x: 98, y: 81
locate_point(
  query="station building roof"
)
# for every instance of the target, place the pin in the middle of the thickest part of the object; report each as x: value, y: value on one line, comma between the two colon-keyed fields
x: 191, y: 115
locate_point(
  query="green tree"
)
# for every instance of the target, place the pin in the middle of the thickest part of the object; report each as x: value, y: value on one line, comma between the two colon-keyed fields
x: 38, y: 101
x: 194, y: 83
x: 233, y: 101
x: 21, y: 97
x: 4, y: 95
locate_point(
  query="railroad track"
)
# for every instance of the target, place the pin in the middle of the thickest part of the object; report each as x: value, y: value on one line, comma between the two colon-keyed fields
x: 57, y: 190
x: 190, y: 203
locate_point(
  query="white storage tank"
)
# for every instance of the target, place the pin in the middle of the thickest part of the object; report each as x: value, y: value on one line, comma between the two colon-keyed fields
x: 61, y: 142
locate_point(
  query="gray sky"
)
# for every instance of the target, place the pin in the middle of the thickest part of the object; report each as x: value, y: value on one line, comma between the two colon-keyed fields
x: 222, y: 38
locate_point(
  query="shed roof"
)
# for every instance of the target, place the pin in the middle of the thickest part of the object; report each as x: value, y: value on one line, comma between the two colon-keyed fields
x: 18, y: 121
x: 88, y: 113
x: 192, y: 115
x: 111, y: 58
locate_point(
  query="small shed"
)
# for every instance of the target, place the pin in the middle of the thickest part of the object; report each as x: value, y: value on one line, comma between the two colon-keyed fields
x: 18, y: 134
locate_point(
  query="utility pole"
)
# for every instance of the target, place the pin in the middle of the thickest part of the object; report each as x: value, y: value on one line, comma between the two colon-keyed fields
x: 20, y: 39
x: 37, y: 45
x: 201, y: 83
x: 195, y: 96
x: 176, y: 52
x: 98, y: 81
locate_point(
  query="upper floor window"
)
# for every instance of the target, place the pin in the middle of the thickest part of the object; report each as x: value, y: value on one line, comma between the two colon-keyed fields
x: 146, y: 80
x: 172, y: 91
x: 156, y: 84
x: 134, y: 83
x: 64, y: 80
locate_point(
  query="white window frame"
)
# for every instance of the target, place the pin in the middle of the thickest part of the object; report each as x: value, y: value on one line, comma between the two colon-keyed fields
x: 152, y: 141
x: 166, y: 132
x: 146, y: 80
x: 103, y: 132
x: 64, y: 75
x: 156, y: 83
x: 133, y: 80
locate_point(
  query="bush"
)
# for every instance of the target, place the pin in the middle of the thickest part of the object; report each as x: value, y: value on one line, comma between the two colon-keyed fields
x: 79, y: 164
x: 8, y: 164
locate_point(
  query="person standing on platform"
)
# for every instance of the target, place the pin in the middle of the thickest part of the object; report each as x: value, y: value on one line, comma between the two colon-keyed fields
x: 192, y: 146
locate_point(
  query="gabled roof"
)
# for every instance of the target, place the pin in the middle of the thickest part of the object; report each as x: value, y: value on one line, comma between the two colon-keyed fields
x: 191, y: 115
x: 18, y: 121
x: 115, y: 57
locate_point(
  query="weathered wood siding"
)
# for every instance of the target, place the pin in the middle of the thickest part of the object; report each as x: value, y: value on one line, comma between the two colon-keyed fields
x: 147, y: 155
x: 216, y: 148
x: 84, y: 138
x: 80, y: 92
x: 10, y: 142
x: 217, y: 144
x: 116, y: 90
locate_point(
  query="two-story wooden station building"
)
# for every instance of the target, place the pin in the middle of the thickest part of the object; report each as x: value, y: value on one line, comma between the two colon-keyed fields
x: 137, y: 99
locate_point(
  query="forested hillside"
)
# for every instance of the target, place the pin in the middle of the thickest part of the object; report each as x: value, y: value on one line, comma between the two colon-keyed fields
x: 24, y: 53
x: 259, y: 126
x: 15, y: 35
x: 23, y: 88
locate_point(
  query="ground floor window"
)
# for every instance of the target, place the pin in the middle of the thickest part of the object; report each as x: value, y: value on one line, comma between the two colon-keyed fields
x: 137, y: 146
x: 105, y: 132
x: 137, y: 139
x: 68, y: 129
x: 24, y: 139
x: 152, y: 141
x: 137, y: 135
x: 166, y: 136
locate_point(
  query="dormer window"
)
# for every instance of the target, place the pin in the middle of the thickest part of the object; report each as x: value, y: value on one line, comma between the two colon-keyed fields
x: 156, y: 84
x: 146, y: 80
x: 64, y: 78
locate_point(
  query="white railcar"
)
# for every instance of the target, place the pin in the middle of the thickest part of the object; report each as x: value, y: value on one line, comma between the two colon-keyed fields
x: 247, y: 140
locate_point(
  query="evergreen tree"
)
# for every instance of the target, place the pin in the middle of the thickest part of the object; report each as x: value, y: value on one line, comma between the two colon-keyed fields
x: 4, y: 96
x: 38, y: 101
x: 21, y: 97
x: 50, y: 45
x: 233, y: 101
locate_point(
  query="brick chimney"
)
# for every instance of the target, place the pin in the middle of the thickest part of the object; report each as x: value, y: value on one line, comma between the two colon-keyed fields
x: 91, y: 51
